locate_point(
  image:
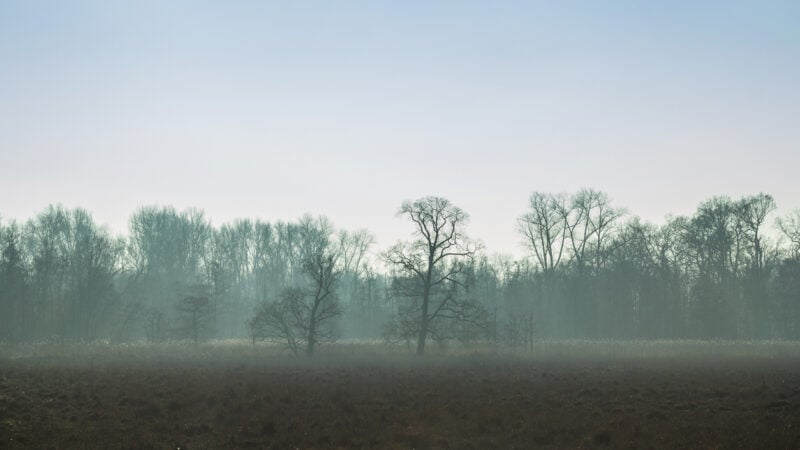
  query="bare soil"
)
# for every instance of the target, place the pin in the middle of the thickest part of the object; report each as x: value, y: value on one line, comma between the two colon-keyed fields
x: 457, y: 402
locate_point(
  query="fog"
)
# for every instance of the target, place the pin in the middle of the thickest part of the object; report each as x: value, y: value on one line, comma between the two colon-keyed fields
x: 416, y: 225
x: 592, y: 271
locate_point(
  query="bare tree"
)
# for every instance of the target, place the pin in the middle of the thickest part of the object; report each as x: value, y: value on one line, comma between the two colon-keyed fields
x: 353, y: 248
x: 753, y: 212
x: 300, y: 317
x: 14, y: 305
x: 281, y: 320
x: 790, y: 227
x: 544, y: 228
x: 302, y: 313
x: 589, y: 220
x: 434, y: 258
x: 324, y: 304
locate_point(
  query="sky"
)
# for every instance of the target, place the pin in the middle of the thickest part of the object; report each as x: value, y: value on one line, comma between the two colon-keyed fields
x: 273, y: 109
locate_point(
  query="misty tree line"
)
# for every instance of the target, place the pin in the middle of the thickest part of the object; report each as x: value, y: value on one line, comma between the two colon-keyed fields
x: 731, y: 271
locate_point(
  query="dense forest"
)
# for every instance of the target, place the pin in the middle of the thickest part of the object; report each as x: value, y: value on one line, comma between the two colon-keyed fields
x: 729, y: 271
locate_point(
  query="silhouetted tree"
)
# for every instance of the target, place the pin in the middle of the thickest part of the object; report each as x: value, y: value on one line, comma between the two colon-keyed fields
x: 789, y: 226
x: 14, y: 306
x: 717, y: 273
x: 434, y: 260
x: 302, y: 313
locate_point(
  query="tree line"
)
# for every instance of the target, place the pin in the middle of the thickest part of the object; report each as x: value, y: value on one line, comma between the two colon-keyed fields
x: 729, y: 271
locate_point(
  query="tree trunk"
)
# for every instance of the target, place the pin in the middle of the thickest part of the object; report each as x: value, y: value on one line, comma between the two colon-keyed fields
x: 423, y: 324
x: 312, y: 328
x: 311, y: 340
x: 426, y: 295
x: 423, y: 335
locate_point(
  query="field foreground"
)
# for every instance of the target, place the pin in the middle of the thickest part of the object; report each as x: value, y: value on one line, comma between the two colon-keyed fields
x: 477, y: 401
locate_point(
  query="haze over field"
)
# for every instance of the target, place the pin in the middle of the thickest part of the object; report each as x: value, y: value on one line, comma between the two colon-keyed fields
x: 399, y: 224
x: 271, y: 110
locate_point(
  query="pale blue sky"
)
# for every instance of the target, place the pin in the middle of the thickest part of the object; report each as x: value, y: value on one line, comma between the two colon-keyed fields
x: 273, y: 109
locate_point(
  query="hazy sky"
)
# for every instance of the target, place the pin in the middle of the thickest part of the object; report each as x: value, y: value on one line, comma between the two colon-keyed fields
x: 273, y: 109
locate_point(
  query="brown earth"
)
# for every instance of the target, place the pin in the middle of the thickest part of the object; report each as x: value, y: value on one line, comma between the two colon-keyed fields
x: 456, y: 402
